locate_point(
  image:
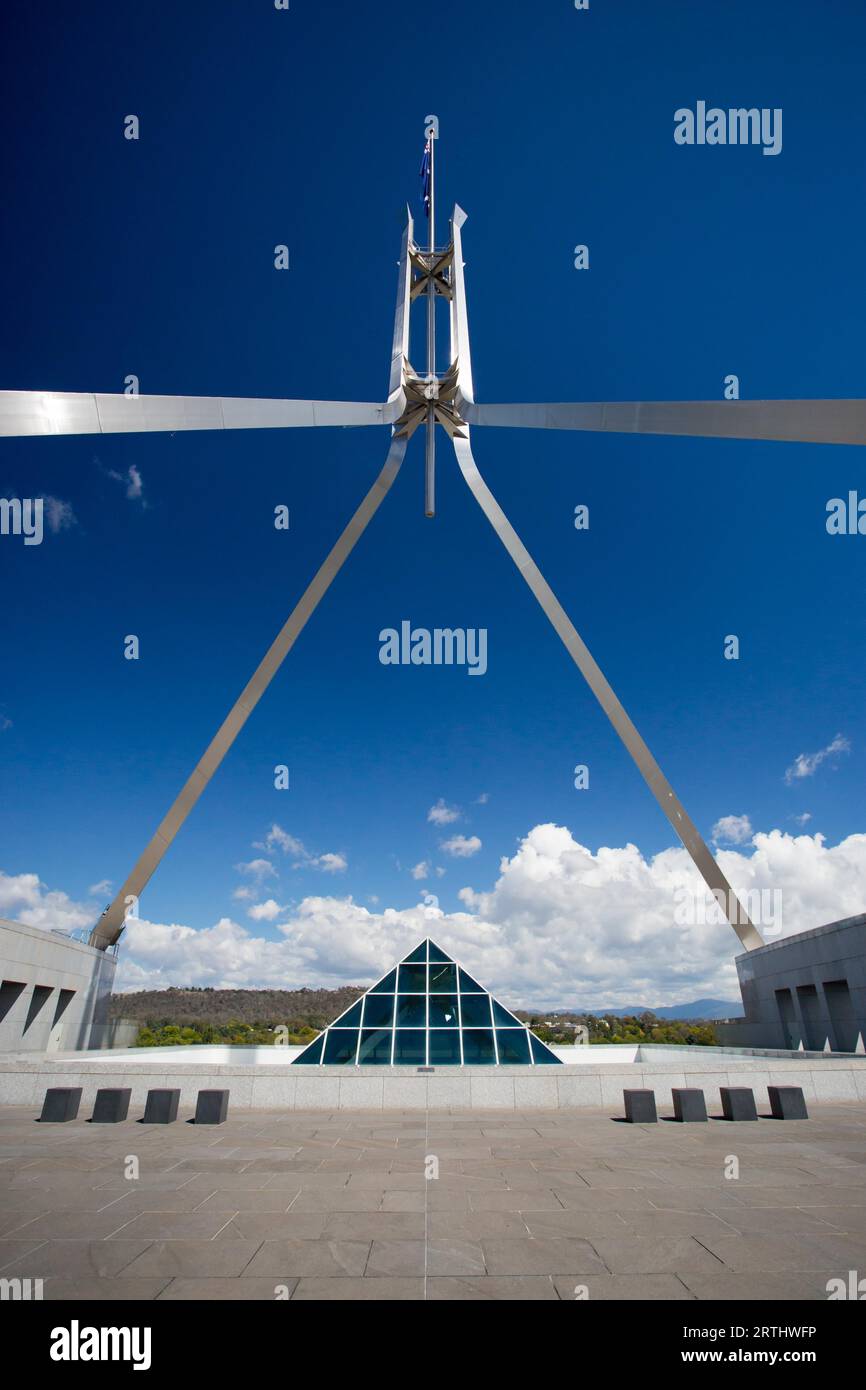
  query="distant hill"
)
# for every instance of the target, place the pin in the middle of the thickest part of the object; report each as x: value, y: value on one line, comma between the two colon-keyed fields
x: 316, y: 1008
x: 700, y: 1008
x: 293, y: 1008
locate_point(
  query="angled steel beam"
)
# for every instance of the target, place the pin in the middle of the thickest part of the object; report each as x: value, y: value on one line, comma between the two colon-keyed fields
x: 110, y: 925
x: 74, y: 412
x: 592, y: 674
x: 562, y: 624
x: 400, y: 342
x: 85, y: 412
x: 807, y: 422
x: 460, y: 353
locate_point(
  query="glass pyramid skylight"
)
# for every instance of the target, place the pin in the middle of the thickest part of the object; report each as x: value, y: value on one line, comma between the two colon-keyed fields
x: 427, y: 1012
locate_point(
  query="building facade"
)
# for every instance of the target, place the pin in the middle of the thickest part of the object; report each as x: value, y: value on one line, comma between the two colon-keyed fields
x: 808, y: 989
x: 54, y: 991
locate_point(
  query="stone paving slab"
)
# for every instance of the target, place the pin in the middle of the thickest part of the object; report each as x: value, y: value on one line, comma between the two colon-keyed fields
x: 527, y: 1205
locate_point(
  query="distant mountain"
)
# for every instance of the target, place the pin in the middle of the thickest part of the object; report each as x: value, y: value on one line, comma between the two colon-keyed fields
x: 701, y: 1008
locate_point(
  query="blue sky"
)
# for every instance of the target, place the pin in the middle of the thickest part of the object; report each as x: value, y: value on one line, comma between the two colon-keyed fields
x: 156, y: 258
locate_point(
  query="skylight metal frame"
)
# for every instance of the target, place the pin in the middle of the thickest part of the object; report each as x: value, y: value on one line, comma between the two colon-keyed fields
x: 457, y: 1030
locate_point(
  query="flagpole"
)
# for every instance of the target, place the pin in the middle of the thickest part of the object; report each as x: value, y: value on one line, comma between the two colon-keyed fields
x: 430, y: 456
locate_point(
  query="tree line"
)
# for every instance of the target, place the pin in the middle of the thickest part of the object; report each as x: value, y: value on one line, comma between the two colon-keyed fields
x: 169, y: 1017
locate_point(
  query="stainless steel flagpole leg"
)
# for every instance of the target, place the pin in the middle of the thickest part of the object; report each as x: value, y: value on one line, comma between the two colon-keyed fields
x: 110, y: 924
x: 430, y: 442
x: 589, y: 669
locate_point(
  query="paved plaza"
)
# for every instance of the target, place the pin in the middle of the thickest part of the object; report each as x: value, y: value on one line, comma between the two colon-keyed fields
x: 527, y: 1205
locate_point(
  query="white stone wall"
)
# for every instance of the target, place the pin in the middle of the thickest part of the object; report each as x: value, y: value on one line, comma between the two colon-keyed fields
x: 35, y: 966
x: 24, y: 1082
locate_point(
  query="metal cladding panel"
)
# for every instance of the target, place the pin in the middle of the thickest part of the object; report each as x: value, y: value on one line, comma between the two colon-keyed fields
x: 47, y: 412
x: 459, y: 315
x: 400, y: 341
x: 65, y: 412
x: 183, y: 804
x: 138, y: 414
x: 246, y: 414
x: 226, y: 734
x: 241, y: 414
x: 808, y: 422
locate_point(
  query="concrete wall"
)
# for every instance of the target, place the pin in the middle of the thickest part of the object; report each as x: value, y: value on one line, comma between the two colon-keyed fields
x: 54, y: 992
x: 286, y: 1087
x: 807, y: 988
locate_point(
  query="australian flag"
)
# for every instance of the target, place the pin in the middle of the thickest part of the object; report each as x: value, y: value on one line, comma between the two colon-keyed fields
x: 425, y: 178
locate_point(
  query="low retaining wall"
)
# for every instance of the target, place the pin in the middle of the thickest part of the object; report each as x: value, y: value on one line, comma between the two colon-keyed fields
x: 24, y: 1082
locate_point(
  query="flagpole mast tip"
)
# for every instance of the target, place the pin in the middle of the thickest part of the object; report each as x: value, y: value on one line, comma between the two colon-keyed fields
x: 431, y: 133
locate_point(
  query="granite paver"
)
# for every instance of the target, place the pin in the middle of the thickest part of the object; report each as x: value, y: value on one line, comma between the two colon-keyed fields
x: 526, y: 1206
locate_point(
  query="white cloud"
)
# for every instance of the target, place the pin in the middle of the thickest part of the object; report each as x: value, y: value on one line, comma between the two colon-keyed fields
x: 132, y: 481
x: 257, y: 869
x: 442, y: 814
x: 421, y: 870
x: 25, y: 898
x: 100, y: 889
x: 278, y: 838
x: 330, y: 863
x: 462, y: 846
x: 483, y: 799
x: 58, y: 514
x: 807, y: 764
x: 267, y: 911
x: 561, y: 926
x: 732, y: 830
x: 803, y: 819
x: 5, y: 723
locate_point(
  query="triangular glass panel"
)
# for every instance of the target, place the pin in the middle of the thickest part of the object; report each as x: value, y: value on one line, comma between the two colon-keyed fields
x: 351, y: 1018
x: 312, y: 1055
x: 502, y: 1018
x: 419, y: 954
x: 540, y: 1053
x: 386, y: 986
x: 427, y: 1015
